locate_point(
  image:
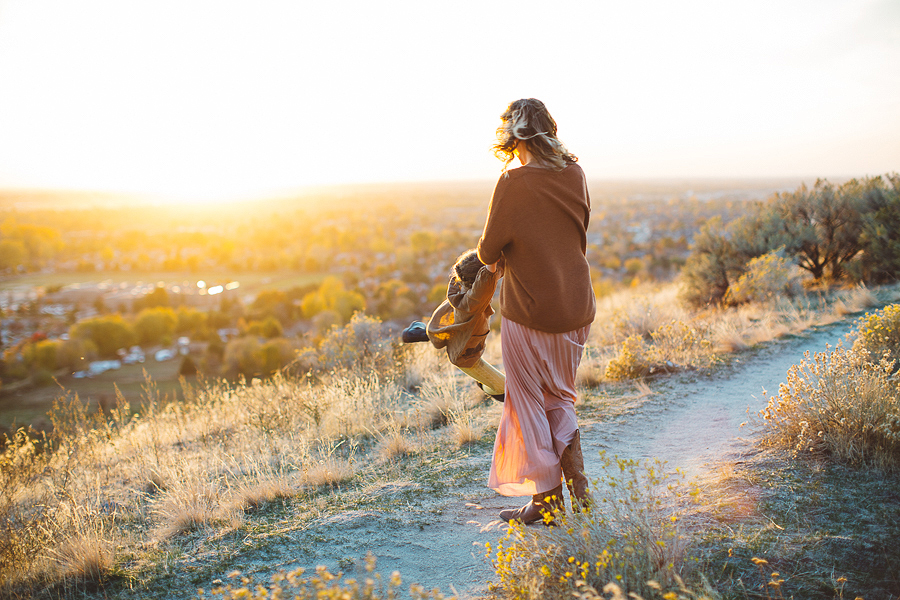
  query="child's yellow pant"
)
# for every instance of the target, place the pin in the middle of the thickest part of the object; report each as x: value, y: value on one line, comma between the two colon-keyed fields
x: 494, y: 381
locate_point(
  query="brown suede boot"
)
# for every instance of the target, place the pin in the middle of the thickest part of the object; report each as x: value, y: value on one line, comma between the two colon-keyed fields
x: 545, y: 503
x: 573, y: 471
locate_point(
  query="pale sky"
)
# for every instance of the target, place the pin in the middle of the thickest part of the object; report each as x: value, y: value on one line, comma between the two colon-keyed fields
x: 220, y: 99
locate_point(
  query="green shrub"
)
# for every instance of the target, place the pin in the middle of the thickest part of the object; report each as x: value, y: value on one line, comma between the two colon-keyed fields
x: 710, y: 266
x: 880, y: 258
x: 675, y: 345
x: 360, y: 345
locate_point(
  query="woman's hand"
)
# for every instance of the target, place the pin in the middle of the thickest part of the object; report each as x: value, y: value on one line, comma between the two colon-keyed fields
x: 492, y: 267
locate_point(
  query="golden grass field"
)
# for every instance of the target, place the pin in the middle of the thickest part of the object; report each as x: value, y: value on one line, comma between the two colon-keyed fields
x: 114, y: 504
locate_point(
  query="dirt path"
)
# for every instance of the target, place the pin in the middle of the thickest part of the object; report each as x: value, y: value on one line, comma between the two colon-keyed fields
x: 688, y: 421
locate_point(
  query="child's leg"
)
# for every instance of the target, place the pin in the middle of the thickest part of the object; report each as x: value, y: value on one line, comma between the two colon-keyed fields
x: 493, y: 380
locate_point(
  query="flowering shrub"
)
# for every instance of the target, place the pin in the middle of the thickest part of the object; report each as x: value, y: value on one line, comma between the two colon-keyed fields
x: 632, y: 539
x: 675, y: 345
x: 632, y: 361
x: 879, y: 333
x: 768, y: 276
x: 840, y: 403
x: 323, y: 585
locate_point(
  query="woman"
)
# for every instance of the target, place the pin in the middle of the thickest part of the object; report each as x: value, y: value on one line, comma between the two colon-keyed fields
x: 537, y: 222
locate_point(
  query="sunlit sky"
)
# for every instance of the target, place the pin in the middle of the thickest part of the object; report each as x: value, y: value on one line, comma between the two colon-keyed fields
x: 207, y: 100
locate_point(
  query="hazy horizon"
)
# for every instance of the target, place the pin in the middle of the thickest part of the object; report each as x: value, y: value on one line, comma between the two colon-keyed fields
x: 664, y: 186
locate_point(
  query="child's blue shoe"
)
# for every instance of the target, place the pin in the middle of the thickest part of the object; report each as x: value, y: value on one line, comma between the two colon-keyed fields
x: 414, y: 333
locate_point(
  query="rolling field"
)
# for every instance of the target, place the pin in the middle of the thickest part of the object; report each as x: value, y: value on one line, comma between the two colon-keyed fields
x: 30, y: 406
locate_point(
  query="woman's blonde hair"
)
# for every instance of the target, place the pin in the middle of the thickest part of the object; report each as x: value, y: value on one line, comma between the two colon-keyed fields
x: 529, y: 120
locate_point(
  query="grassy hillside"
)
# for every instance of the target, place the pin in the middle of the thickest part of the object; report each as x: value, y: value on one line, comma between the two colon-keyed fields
x: 162, y: 497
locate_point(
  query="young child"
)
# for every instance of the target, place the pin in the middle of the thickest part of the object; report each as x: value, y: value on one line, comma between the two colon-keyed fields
x: 461, y: 323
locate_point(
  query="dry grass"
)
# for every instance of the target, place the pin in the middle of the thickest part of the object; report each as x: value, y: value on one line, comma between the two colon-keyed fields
x: 591, y: 371
x: 330, y: 471
x: 255, y: 494
x: 149, y: 475
x: 145, y: 476
x: 395, y: 443
x: 635, y: 312
x: 464, y: 428
x: 322, y: 584
x: 852, y: 301
x: 439, y: 397
x: 646, y: 332
x: 84, y: 557
x: 187, y: 505
x: 421, y: 362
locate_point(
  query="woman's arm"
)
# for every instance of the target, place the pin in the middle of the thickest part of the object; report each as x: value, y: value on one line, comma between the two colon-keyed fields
x: 497, y: 228
x: 478, y: 297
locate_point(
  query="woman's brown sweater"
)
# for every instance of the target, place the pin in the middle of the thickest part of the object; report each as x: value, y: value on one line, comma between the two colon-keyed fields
x: 538, y: 221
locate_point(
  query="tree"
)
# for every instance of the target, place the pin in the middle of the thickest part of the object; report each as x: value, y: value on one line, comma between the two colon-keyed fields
x: 158, y: 297
x: 155, y: 325
x: 822, y: 230
x: 711, y: 267
x: 332, y: 295
x: 42, y: 354
x: 108, y: 333
x: 269, y: 328
x: 242, y: 357
x: 12, y: 254
x: 880, y: 238
x: 271, y: 303
x: 188, y: 367
x: 191, y: 321
x: 823, y: 226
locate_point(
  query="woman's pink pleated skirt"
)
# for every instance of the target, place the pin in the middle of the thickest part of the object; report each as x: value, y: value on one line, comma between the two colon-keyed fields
x: 538, y: 419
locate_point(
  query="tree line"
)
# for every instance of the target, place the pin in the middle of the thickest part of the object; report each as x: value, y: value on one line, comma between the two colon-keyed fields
x: 834, y: 233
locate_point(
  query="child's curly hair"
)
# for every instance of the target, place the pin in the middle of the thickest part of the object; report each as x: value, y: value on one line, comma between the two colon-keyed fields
x: 466, y: 267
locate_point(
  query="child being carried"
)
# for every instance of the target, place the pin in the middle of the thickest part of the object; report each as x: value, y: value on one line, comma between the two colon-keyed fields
x: 461, y: 322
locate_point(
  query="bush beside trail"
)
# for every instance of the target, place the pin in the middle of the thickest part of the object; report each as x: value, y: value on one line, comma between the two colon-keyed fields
x: 844, y: 403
